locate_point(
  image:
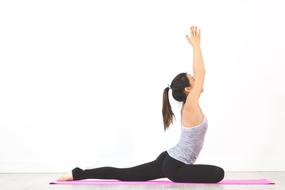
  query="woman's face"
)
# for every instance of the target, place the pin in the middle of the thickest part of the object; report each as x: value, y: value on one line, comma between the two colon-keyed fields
x: 192, y: 82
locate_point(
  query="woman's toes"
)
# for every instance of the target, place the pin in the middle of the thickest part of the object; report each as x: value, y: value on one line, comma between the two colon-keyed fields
x: 66, y: 177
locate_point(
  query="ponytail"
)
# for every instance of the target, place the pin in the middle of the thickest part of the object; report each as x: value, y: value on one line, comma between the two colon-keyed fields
x: 167, y: 113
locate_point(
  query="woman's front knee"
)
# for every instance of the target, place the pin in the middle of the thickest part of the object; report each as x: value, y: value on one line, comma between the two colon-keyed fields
x: 220, y: 174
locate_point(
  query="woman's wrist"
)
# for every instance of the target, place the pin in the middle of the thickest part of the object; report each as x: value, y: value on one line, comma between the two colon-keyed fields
x: 196, y: 47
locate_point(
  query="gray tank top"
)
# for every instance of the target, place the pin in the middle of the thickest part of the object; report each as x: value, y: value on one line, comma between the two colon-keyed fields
x: 190, y: 143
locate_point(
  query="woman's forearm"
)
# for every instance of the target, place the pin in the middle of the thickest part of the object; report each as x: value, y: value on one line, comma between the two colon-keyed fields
x: 198, y: 63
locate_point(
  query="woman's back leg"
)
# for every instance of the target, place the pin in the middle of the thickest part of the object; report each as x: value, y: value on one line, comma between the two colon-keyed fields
x: 143, y: 172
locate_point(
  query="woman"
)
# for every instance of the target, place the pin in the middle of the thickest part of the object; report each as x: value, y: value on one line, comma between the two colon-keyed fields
x: 177, y: 163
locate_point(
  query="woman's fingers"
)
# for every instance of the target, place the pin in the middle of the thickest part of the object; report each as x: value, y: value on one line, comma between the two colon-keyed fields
x: 193, y: 36
x: 192, y: 31
x: 195, y: 31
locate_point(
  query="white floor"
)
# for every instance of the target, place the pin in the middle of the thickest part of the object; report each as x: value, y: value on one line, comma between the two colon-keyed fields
x: 40, y: 181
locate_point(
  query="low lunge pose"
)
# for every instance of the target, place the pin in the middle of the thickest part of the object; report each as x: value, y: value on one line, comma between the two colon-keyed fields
x: 176, y: 163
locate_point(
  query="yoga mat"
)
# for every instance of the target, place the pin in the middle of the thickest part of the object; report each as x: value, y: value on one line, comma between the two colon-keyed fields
x: 161, y: 182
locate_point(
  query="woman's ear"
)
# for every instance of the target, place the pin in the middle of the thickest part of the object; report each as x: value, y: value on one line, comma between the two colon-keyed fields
x: 187, y: 89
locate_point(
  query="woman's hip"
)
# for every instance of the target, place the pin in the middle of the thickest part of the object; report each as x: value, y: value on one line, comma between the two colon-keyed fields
x: 167, y: 164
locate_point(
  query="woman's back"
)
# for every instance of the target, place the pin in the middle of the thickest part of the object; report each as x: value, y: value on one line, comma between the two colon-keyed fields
x: 193, y: 117
x: 190, y: 142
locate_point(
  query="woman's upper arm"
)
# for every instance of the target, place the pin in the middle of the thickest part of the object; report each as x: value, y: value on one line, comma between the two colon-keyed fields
x: 194, y: 95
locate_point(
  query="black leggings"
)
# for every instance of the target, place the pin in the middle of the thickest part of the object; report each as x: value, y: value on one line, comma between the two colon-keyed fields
x: 163, y: 166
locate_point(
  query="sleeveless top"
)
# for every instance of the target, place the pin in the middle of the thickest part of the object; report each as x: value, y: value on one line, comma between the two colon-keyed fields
x: 190, y: 143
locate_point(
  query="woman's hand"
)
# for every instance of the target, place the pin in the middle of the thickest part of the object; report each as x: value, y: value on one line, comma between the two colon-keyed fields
x: 194, y: 40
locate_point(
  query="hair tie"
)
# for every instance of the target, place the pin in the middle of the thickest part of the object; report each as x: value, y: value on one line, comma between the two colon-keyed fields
x: 169, y: 86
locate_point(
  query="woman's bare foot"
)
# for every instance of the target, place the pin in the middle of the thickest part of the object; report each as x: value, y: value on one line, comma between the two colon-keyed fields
x: 66, y: 177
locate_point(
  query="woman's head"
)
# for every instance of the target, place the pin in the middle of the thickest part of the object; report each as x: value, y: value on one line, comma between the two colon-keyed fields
x: 180, y: 86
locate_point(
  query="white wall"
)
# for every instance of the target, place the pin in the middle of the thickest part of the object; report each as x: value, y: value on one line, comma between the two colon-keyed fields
x: 81, y: 82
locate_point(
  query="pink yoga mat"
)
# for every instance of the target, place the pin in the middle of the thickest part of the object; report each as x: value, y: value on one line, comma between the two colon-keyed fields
x: 161, y: 182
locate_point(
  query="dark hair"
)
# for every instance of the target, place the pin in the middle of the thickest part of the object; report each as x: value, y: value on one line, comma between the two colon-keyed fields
x: 177, y: 86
